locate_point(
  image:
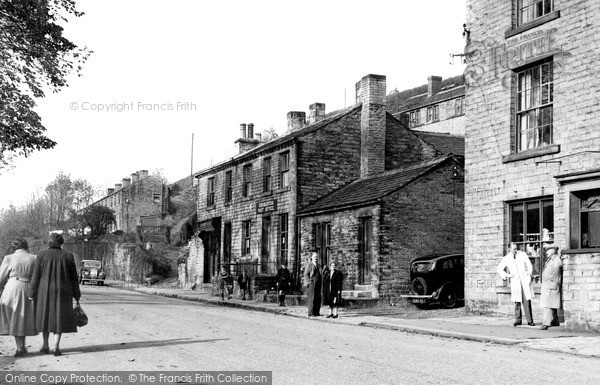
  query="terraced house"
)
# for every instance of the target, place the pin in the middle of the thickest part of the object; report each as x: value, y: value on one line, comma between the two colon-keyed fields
x: 533, y: 149
x: 248, y: 206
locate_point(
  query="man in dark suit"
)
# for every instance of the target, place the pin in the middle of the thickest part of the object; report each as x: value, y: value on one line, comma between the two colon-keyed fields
x: 283, y: 282
x: 312, y: 281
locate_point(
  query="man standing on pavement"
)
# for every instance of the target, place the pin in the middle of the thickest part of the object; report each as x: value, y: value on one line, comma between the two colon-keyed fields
x: 519, y: 270
x: 551, y: 286
x: 283, y: 282
x: 312, y: 280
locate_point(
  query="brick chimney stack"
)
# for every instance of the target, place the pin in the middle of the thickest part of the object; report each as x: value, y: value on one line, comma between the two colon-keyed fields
x: 296, y: 120
x: 316, y: 112
x: 117, y: 186
x: 246, y: 142
x: 372, y: 124
x: 126, y: 182
x: 135, y: 177
x: 434, y: 84
x: 110, y: 191
x: 143, y: 174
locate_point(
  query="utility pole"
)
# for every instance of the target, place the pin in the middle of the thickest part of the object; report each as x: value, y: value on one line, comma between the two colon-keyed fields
x: 192, y: 163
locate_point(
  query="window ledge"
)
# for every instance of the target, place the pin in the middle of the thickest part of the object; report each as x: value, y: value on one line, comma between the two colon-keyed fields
x: 226, y: 204
x: 532, y: 24
x: 591, y: 250
x: 210, y: 208
x: 533, y: 153
x: 537, y: 289
x: 266, y: 193
x: 283, y: 189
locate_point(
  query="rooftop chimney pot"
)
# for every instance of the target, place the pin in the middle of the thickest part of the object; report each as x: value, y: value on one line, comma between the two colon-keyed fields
x: 434, y: 84
x: 243, y: 130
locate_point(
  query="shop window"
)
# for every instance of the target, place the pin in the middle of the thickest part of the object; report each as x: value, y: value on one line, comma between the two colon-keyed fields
x: 534, y: 99
x: 283, y: 237
x: 246, y: 237
x: 584, y: 215
x: 531, y: 227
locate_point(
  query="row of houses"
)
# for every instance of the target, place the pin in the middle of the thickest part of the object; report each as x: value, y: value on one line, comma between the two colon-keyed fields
x: 356, y: 185
x: 509, y: 152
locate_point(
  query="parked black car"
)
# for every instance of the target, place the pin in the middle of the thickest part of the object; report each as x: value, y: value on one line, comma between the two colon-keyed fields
x: 437, y: 278
x: 91, y: 271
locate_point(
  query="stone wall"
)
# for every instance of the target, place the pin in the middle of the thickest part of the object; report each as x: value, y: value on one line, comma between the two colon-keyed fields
x: 426, y: 217
x: 496, y: 172
x: 121, y: 261
x: 402, y: 147
x: 581, y: 291
x: 345, y: 241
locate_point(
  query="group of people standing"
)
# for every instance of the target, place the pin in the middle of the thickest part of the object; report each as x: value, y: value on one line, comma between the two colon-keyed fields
x: 519, y: 269
x: 37, y: 294
x: 323, y: 285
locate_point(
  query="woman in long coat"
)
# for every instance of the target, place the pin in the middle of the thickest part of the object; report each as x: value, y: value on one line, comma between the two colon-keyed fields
x: 17, y: 312
x: 54, y: 284
x: 332, y: 289
x: 550, y: 299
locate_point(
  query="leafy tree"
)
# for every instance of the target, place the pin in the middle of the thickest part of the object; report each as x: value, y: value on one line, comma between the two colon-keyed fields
x: 159, y: 175
x: 35, y: 57
x: 269, y: 134
x: 98, y: 219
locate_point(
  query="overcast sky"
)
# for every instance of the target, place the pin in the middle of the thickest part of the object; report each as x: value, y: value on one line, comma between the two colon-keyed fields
x: 225, y: 62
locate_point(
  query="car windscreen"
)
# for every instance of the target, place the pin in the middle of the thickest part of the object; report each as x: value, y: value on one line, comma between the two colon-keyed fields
x: 92, y: 264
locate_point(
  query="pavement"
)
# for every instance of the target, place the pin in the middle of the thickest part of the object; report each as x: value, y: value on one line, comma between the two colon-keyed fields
x: 458, y: 325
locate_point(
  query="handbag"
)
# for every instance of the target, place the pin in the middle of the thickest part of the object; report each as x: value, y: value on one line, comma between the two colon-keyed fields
x: 81, y: 319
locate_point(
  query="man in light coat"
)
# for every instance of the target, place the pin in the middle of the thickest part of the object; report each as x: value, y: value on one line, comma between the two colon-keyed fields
x: 312, y: 281
x: 519, y: 270
x: 551, y: 287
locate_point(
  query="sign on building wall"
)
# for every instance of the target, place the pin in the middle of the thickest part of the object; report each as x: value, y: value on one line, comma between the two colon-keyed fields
x: 266, y: 207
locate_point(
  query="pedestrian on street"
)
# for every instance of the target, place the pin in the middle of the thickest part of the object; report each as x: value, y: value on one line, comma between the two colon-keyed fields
x: 243, y: 281
x: 519, y: 270
x: 312, y: 281
x: 223, y: 278
x: 332, y: 289
x: 54, y: 285
x: 284, y: 278
x: 17, y: 311
x: 551, y: 287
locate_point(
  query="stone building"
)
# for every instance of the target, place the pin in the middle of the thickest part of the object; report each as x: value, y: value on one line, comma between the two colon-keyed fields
x: 248, y: 205
x: 438, y: 106
x: 140, y: 200
x: 374, y: 226
x: 533, y: 149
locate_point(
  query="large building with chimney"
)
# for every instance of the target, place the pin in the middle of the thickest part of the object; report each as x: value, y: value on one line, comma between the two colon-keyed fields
x: 248, y: 206
x: 140, y: 200
x: 533, y: 150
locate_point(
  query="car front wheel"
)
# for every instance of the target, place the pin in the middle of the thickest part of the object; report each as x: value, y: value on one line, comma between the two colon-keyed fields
x: 419, y: 286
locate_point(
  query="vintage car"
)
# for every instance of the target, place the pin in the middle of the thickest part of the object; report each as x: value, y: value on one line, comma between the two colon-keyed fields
x: 91, y: 271
x: 437, y: 278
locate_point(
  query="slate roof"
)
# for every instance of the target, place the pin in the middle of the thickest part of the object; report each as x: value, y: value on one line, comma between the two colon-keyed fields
x: 328, y: 118
x: 368, y: 190
x: 445, y: 143
x: 399, y: 102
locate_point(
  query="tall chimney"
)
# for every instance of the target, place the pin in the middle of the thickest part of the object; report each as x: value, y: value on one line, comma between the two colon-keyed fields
x: 143, y: 174
x: 433, y: 85
x: 316, y: 112
x: 372, y: 125
x: 110, y: 191
x: 126, y: 182
x: 135, y: 177
x: 117, y: 186
x: 295, y: 120
x: 246, y: 142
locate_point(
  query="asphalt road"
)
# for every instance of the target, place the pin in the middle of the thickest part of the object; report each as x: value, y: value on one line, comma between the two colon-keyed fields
x: 133, y: 331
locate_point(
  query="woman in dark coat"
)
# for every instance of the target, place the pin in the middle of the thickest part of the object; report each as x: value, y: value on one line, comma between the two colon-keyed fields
x: 54, y: 284
x: 332, y: 289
